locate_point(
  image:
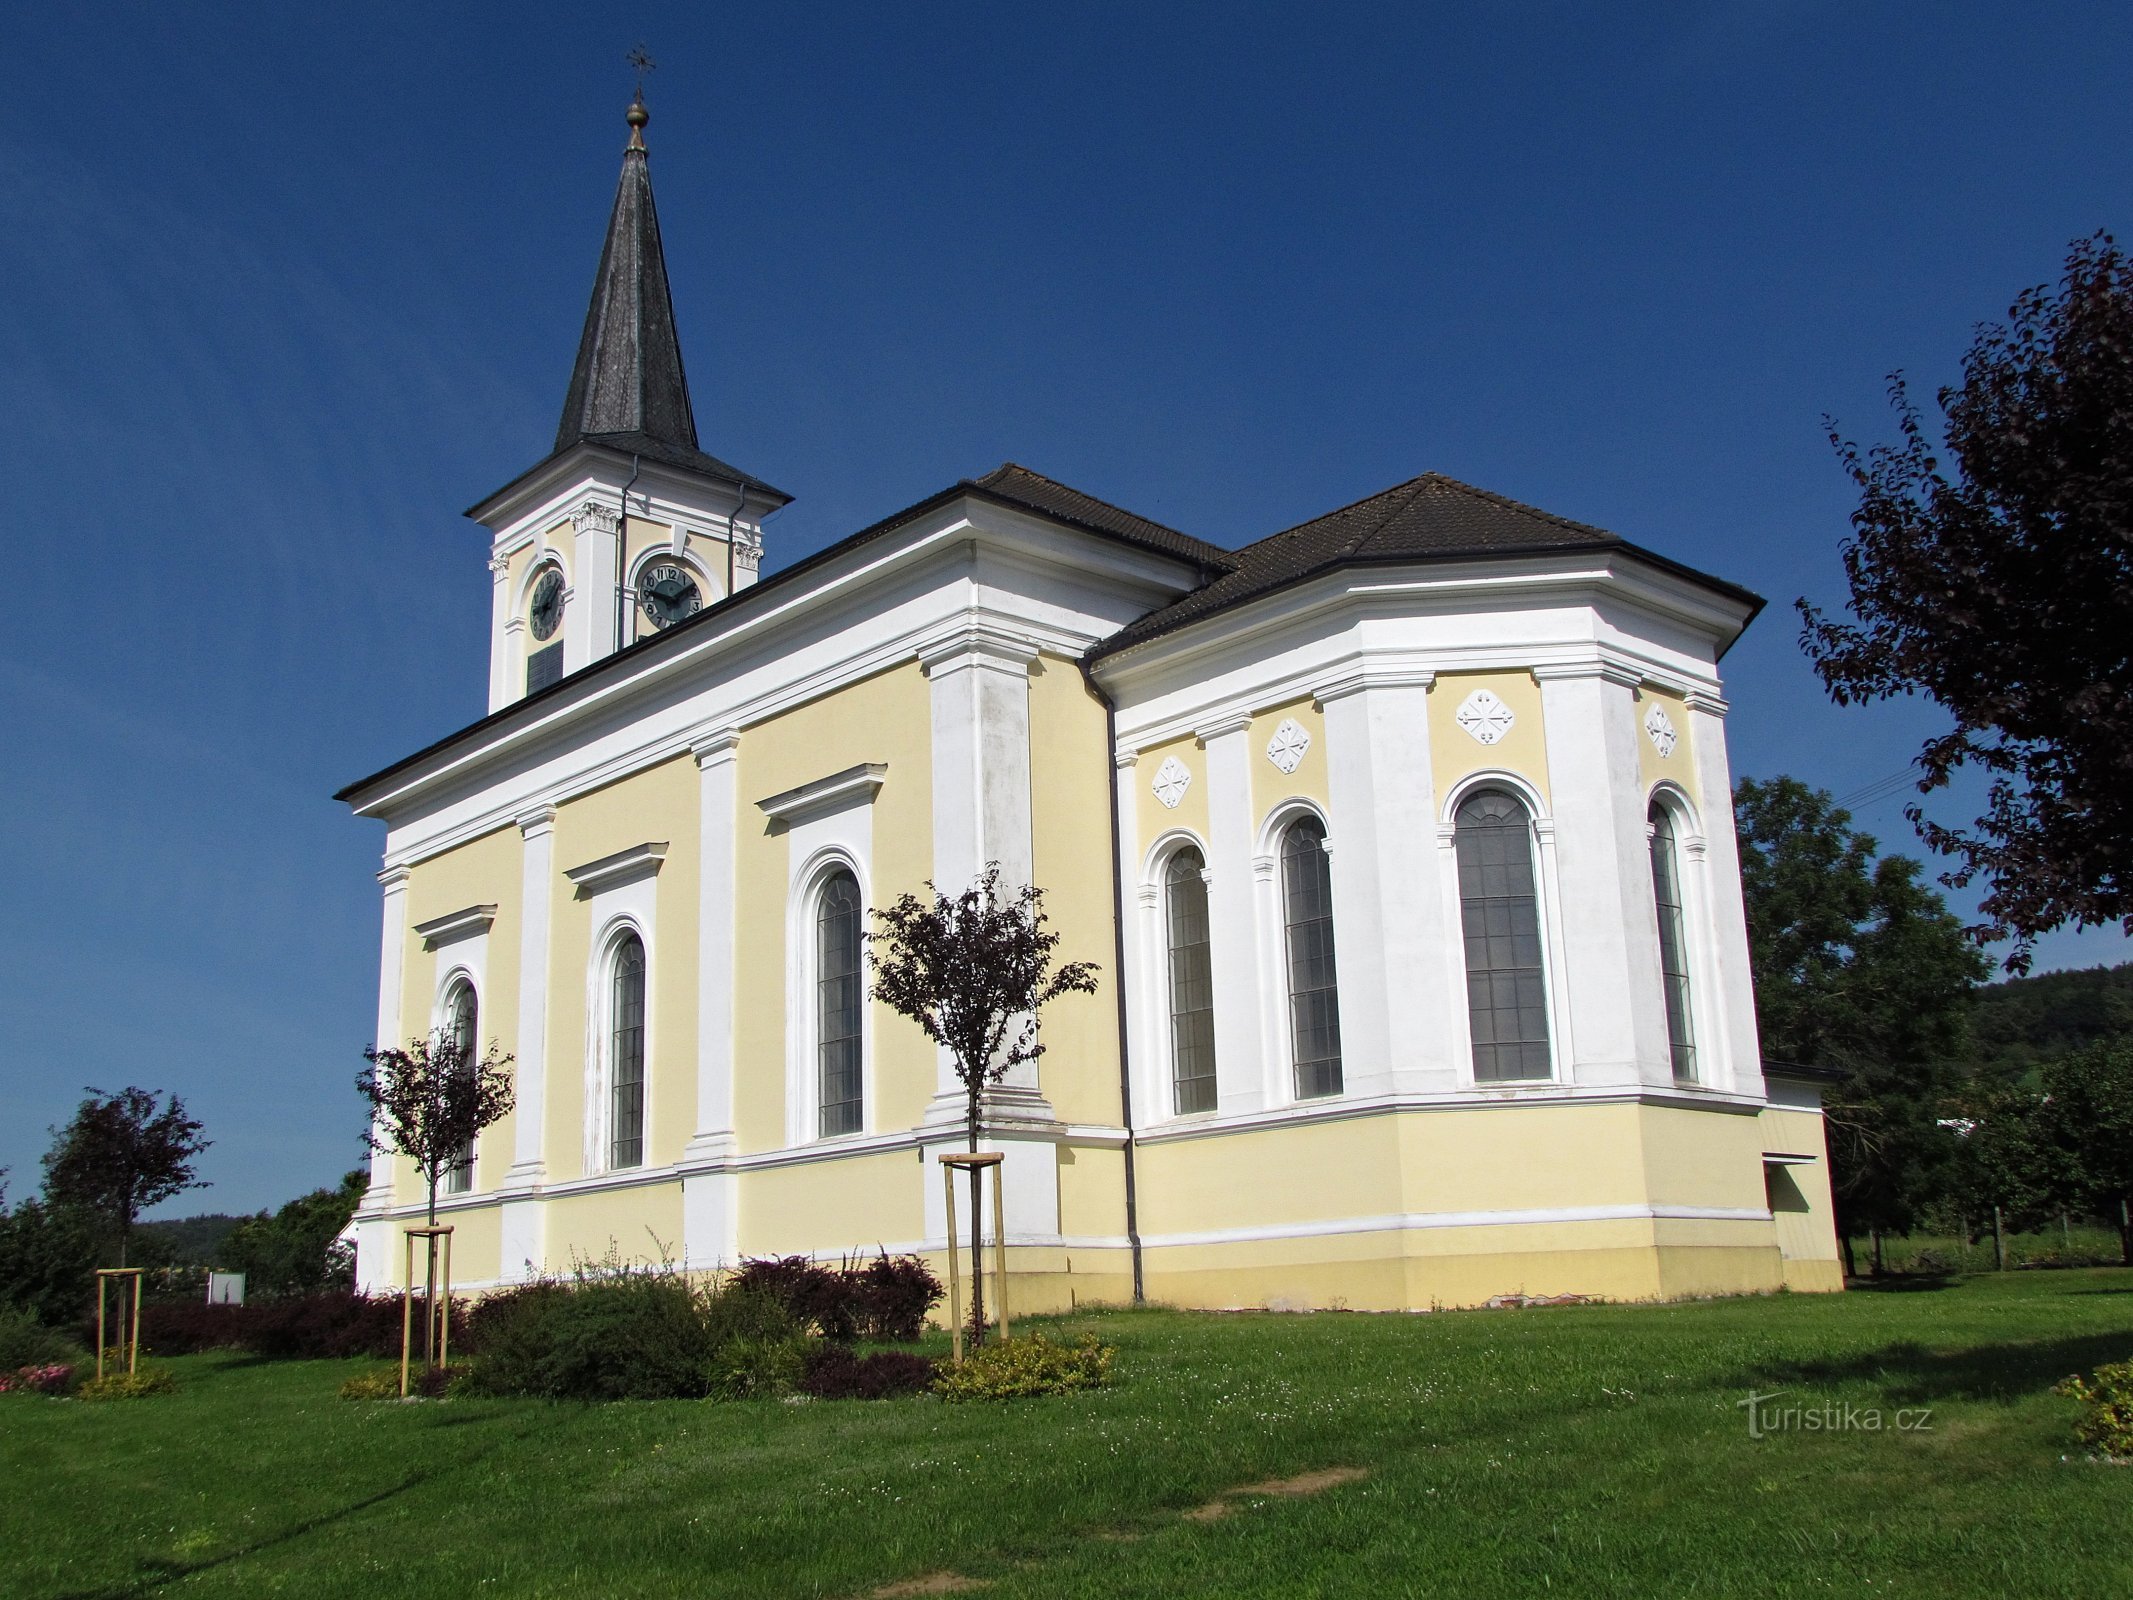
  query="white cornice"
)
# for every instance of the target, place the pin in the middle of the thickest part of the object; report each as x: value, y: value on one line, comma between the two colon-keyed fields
x: 624, y: 866
x: 455, y: 925
x: 852, y: 787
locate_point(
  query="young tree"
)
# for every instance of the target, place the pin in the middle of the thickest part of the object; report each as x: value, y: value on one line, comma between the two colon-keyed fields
x: 1858, y: 966
x: 2088, y: 1117
x: 429, y: 1102
x: 2005, y: 594
x: 121, y: 1154
x: 973, y: 972
x: 47, y: 1259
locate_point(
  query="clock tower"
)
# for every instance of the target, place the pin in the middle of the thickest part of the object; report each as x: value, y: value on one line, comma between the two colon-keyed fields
x: 627, y: 528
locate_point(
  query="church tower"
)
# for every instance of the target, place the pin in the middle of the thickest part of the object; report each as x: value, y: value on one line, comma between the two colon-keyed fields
x: 627, y: 528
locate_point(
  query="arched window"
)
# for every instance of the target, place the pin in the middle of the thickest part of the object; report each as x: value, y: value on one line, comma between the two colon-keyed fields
x: 463, y: 1029
x: 837, y: 1000
x: 1673, y: 943
x: 1192, y: 985
x: 1314, y: 987
x: 1506, y: 987
x: 626, y: 1053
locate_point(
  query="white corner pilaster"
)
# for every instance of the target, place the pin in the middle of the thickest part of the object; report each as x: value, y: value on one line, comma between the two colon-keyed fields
x: 1604, y: 882
x: 373, y: 1242
x: 590, y: 624
x: 523, y: 1248
x: 709, y: 1200
x: 1242, y: 1061
x: 1731, y: 1006
x: 500, y: 640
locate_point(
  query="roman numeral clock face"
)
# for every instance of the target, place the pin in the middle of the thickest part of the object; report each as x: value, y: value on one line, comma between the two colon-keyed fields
x: 668, y: 593
x: 547, y: 609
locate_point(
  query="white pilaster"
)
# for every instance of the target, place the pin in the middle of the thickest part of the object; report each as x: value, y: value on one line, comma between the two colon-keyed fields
x: 523, y: 1244
x: 1730, y: 1006
x: 1243, y: 1064
x: 709, y: 1202
x: 500, y: 637
x: 589, y: 625
x: 1604, y: 880
x: 373, y: 1241
x: 981, y: 804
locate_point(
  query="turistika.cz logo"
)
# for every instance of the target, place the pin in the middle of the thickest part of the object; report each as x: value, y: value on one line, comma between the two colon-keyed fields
x: 1766, y: 1418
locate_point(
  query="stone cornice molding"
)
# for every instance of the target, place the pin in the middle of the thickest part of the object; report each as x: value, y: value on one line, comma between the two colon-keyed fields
x: 455, y: 925
x: 721, y: 745
x: 624, y: 866
x: 1614, y: 672
x: 1707, y: 702
x: 1233, y: 721
x: 536, y: 820
x: 393, y: 880
x: 980, y: 645
x: 854, y: 786
x: 1367, y: 673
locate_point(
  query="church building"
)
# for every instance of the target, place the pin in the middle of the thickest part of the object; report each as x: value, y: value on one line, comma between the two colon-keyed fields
x: 1403, y: 839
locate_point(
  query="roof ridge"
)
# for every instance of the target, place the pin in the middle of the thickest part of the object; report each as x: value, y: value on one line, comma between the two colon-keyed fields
x: 1509, y: 504
x: 988, y: 481
x: 1325, y: 516
x: 1413, y: 487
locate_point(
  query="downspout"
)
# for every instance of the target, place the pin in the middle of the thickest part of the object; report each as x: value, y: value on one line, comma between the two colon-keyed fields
x: 622, y: 554
x: 1118, y: 953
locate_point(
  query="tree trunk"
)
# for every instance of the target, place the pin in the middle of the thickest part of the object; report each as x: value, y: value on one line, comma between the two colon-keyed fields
x: 2125, y: 1232
x: 1880, y: 1260
x: 1851, y: 1267
x: 977, y: 1236
x: 429, y: 1285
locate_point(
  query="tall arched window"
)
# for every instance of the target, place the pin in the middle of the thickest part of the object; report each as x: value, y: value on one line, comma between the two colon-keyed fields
x: 462, y: 1023
x: 1314, y: 987
x: 1499, y: 913
x: 837, y: 999
x: 1673, y: 943
x: 1192, y: 985
x: 626, y: 1053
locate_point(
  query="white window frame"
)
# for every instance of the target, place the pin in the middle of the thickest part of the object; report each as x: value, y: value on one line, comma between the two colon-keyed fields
x: 1149, y: 994
x: 1699, y: 933
x: 803, y: 1023
x: 457, y: 977
x: 600, y: 1027
x: 1547, y: 908
x: 1271, y: 938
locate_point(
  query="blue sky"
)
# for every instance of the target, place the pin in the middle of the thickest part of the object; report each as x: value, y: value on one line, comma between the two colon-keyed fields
x: 282, y: 291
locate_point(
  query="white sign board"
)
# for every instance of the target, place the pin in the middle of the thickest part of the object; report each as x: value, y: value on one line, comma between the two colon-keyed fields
x: 225, y: 1288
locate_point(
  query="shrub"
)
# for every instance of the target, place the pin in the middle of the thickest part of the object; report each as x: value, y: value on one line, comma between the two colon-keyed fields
x: 1011, y: 1369
x: 129, y: 1385
x: 26, y: 1342
x: 316, y: 1327
x: 894, y: 1296
x: 625, y: 1335
x: 2106, y: 1421
x: 49, y: 1378
x: 756, y: 1368
x: 836, y: 1372
x: 814, y: 1296
x: 383, y: 1383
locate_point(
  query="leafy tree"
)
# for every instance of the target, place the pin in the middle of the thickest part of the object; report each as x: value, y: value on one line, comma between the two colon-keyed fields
x: 1857, y: 966
x: 47, y: 1259
x: 2005, y: 594
x: 431, y: 1101
x: 2088, y: 1115
x: 121, y: 1154
x: 973, y: 972
x: 2018, y: 1024
x: 297, y: 1250
x: 2005, y: 1159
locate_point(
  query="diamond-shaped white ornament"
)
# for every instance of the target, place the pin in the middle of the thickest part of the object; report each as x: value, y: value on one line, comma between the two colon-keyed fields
x: 1286, y: 749
x: 1171, y: 781
x: 1659, y: 728
x: 1487, y: 718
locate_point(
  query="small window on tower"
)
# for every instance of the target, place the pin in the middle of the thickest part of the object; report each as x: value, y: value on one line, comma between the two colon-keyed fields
x: 544, y: 667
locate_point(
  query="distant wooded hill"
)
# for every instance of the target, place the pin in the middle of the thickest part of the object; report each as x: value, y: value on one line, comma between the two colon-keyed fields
x: 190, y: 1241
x: 2017, y: 1024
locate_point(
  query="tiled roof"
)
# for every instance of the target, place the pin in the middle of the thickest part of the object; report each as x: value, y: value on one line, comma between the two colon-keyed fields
x: 1054, y: 499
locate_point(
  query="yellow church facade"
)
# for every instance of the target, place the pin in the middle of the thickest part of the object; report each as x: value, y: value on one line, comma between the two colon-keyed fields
x: 1402, y: 838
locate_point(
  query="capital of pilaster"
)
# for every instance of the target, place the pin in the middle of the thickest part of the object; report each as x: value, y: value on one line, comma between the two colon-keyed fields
x: 393, y: 880
x: 1606, y: 671
x: 537, y: 821
x: 1125, y: 760
x: 716, y: 748
x: 498, y: 566
x: 1223, y: 725
x: 1367, y: 673
x: 977, y: 646
x: 1707, y: 702
x: 595, y: 517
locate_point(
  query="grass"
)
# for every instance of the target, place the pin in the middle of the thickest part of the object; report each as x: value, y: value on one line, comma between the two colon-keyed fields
x: 2081, y: 1245
x: 1587, y: 1451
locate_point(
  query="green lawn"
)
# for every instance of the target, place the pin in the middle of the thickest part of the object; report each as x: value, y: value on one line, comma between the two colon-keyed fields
x: 1584, y: 1451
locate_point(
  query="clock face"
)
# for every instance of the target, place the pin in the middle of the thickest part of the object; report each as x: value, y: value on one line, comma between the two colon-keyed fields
x: 668, y: 594
x: 547, y: 614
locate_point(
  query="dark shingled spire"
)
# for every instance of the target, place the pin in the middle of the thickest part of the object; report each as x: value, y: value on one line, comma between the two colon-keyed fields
x: 628, y: 379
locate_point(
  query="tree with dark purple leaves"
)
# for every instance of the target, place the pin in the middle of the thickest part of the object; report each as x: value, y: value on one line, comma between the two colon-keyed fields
x: 974, y: 971
x: 2004, y: 593
x: 120, y: 1155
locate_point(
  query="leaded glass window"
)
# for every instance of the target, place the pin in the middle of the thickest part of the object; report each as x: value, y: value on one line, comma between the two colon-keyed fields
x: 1673, y: 943
x: 463, y: 1029
x: 1314, y: 988
x: 837, y: 1000
x: 1499, y: 914
x: 626, y: 1053
x: 1192, y: 985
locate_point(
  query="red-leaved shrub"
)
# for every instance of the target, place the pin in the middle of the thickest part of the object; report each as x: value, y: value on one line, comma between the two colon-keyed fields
x: 836, y: 1372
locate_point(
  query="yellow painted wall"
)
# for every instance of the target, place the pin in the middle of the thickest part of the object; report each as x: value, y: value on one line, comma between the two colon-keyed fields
x: 886, y: 718
x: 1270, y: 785
x: 1454, y: 753
x: 1678, y: 768
x: 1151, y: 817
x: 640, y: 1224
x: 850, y: 1203
x: 483, y: 871
x: 1800, y: 1200
x: 477, y: 1246
x: 659, y: 803
x: 1070, y: 818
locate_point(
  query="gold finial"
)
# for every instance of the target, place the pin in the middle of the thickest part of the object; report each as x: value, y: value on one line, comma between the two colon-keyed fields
x: 641, y: 59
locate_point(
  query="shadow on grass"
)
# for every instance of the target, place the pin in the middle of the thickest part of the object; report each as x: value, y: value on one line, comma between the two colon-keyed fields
x: 1910, y: 1372
x: 153, y: 1572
